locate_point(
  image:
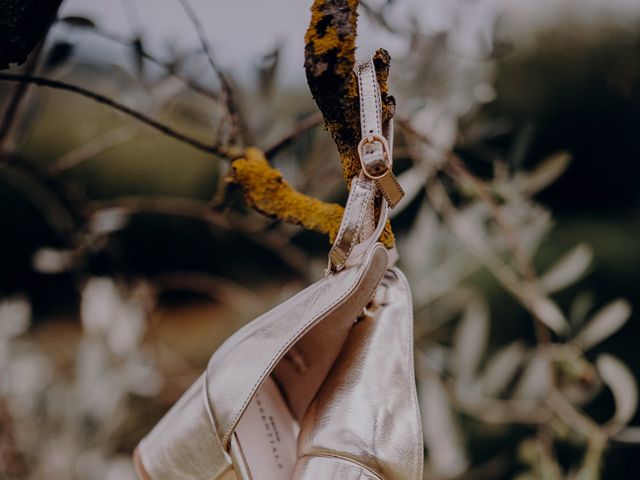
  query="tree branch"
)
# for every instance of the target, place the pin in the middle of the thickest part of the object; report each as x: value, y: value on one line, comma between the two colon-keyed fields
x: 229, y: 98
x: 19, y: 93
x: 305, y: 125
x: 168, y: 67
x: 330, y: 46
x: 161, y: 127
x: 329, y: 61
x: 264, y: 187
x: 266, y: 191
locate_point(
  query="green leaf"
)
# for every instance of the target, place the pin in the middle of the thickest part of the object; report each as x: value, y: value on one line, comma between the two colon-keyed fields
x: 547, y: 172
x: 568, y: 269
x: 446, y: 453
x: 608, y: 320
x: 502, y: 367
x: 617, y: 376
x: 470, y: 339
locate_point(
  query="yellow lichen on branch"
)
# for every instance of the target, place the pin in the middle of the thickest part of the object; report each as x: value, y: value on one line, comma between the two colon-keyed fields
x: 329, y: 61
x: 268, y: 192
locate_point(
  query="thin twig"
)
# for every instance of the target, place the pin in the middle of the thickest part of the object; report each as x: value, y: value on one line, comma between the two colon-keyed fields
x: 566, y: 412
x: 49, y: 195
x: 161, y: 127
x: 524, y: 291
x: 554, y: 401
x: 232, y: 108
x: 93, y: 147
x: 460, y: 172
x: 270, y: 240
x: 18, y: 95
x: 379, y: 17
x: 524, y: 265
x: 222, y: 289
x: 305, y: 125
x: 456, y: 170
x: 405, y: 123
x: 166, y: 66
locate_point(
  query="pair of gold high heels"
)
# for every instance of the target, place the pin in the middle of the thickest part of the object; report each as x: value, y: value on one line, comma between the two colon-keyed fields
x: 320, y: 387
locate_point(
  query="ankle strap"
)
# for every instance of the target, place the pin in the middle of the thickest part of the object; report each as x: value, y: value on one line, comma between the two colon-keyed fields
x: 360, y: 228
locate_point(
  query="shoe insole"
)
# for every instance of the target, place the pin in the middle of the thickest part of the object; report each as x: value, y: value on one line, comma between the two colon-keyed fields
x: 266, y: 436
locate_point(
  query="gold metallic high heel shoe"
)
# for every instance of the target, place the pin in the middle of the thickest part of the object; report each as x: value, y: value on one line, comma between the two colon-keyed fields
x: 240, y: 418
x: 242, y: 413
x: 364, y: 422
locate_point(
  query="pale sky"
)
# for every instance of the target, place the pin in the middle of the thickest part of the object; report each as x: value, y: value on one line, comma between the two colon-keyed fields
x: 242, y: 31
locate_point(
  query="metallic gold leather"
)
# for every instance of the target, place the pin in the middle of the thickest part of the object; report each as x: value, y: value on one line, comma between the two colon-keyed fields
x: 324, y: 468
x: 366, y: 411
x: 241, y: 364
x: 356, y: 212
x: 298, y: 343
x: 376, y: 154
x: 372, y: 153
x: 375, y: 157
x: 191, y: 442
x: 184, y: 444
x: 391, y: 189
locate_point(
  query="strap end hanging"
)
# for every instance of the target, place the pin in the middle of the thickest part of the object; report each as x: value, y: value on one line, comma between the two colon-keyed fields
x: 391, y: 189
x: 381, y: 171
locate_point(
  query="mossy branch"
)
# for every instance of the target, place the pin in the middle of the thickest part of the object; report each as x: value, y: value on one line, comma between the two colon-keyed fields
x: 329, y: 61
x: 267, y: 191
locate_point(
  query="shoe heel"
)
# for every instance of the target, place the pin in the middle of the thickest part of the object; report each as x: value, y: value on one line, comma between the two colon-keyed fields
x: 184, y: 444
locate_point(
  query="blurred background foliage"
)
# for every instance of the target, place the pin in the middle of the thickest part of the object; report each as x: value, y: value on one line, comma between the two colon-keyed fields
x: 126, y: 258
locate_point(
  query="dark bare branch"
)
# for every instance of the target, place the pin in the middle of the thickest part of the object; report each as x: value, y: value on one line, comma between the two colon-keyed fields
x: 161, y: 127
x: 305, y: 125
x: 329, y: 61
x: 166, y: 66
x: 227, y: 89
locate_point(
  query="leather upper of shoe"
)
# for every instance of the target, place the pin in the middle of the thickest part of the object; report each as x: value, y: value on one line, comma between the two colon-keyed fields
x: 320, y: 467
x: 297, y: 342
x: 299, y: 339
x: 366, y: 411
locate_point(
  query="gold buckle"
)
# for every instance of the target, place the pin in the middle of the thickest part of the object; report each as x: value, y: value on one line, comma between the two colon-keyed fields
x: 385, y: 152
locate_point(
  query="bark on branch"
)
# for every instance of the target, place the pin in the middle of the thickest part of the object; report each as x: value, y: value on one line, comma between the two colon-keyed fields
x: 266, y: 191
x: 329, y: 61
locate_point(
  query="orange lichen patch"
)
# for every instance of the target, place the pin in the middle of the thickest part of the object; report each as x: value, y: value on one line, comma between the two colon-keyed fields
x: 267, y: 191
x: 319, y: 15
x: 332, y: 31
x: 329, y: 61
x: 327, y: 42
x: 350, y: 165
